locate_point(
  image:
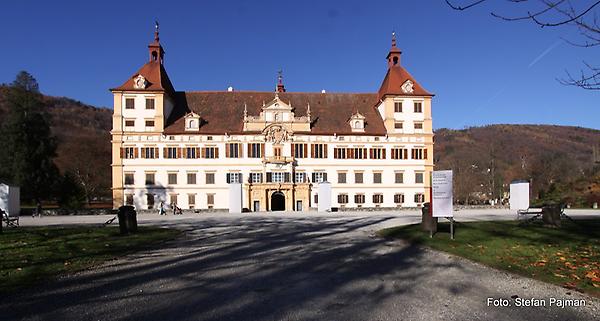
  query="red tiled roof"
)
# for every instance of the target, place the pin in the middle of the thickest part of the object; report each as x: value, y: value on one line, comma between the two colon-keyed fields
x: 222, y: 112
x: 395, y: 78
x: 155, y: 74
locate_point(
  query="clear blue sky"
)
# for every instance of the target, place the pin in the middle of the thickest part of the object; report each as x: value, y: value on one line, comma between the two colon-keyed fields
x: 482, y: 70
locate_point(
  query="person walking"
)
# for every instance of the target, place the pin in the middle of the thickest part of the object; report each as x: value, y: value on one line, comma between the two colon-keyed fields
x: 38, y: 208
x: 174, y: 206
x: 161, y: 209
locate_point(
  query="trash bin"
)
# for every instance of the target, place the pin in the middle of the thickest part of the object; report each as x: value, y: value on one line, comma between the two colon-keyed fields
x: 551, y: 214
x: 127, y: 219
x: 428, y: 222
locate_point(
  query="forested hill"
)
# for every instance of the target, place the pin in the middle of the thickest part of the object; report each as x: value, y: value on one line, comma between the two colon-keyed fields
x: 83, y: 139
x: 484, y: 159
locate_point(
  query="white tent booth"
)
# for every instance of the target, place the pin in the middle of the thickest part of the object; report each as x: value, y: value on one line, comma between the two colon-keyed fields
x: 10, y: 202
x: 519, y: 195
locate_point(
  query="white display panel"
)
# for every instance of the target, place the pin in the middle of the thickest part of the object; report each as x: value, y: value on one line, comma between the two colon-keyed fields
x: 441, y: 183
x: 235, y: 198
x: 519, y: 196
x: 324, y: 197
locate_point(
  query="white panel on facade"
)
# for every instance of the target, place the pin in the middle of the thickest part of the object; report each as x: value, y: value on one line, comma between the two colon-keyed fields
x: 235, y: 198
x: 324, y: 197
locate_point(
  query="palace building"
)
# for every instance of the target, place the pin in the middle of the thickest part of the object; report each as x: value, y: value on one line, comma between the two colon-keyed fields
x: 376, y: 149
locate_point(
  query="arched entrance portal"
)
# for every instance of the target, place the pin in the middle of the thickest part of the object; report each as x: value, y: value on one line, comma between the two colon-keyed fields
x: 277, y: 201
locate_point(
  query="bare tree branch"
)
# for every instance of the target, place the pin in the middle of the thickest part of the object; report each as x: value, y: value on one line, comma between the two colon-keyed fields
x: 556, y: 13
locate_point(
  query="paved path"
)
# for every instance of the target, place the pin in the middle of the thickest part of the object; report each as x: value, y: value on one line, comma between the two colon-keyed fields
x: 287, y: 267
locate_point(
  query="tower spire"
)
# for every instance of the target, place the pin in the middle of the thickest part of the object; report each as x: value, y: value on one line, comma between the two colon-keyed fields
x: 393, y: 56
x: 280, y: 86
x: 157, y: 53
x: 156, y: 26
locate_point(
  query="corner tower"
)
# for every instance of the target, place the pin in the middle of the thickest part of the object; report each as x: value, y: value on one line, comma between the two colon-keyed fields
x: 405, y: 107
x: 142, y: 105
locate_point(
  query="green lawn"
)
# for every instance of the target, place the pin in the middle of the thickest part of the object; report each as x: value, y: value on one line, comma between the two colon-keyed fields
x: 568, y: 256
x: 31, y: 255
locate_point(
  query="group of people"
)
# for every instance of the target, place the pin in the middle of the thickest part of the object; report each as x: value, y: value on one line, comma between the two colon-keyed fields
x: 176, y: 210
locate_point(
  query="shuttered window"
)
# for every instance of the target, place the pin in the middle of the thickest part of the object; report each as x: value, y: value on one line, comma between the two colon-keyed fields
x: 318, y: 150
x: 299, y: 150
x: 255, y: 150
x: 399, y: 153
x: 233, y: 150
x: 149, y: 152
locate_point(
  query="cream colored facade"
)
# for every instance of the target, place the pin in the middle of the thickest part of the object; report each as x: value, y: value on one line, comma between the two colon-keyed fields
x: 198, y: 177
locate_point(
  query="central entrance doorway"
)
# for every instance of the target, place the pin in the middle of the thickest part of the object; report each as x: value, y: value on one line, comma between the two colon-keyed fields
x: 277, y: 201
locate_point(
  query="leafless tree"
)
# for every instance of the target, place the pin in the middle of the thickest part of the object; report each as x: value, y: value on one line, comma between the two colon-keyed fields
x: 556, y: 13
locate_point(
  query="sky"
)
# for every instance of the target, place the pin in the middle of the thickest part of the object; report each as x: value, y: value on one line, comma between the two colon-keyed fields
x: 482, y: 70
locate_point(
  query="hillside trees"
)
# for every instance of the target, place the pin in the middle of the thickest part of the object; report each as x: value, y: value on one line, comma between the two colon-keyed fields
x: 27, y: 145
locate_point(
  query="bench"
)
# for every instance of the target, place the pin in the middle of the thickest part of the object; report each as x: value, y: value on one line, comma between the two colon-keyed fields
x: 11, y: 221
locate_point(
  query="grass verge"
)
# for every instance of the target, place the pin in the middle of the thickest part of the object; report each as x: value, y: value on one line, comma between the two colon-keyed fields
x: 32, y: 255
x: 568, y: 256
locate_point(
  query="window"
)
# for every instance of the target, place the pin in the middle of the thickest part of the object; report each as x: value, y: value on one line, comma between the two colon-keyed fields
x: 210, y: 152
x: 150, y: 179
x: 419, y: 198
x: 399, y: 198
x: 210, y: 178
x: 277, y: 152
x: 398, y: 107
x: 129, y: 199
x: 277, y: 177
x: 129, y: 103
x: 399, y: 153
x: 419, y: 153
x: 342, y: 178
x: 418, y: 107
x: 149, y: 152
x: 149, y: 103
x: 357, y: 153
x: 377, y: 153
x: 418, y: 125
x: 318, y: 150
x: 129, y: 179
x: 130, y: 123
x: 398, y: 125
x: 233, y: 150
x: 299, y: 150
x: 149, y: 123
x: 255, y: 150
x: 234, y: 178
x: 339, y: 153
x: 316, y: 199
x: 129, y: 152
x: 173, y: 199
x: 171, y: 152
x: 419, y: 178
x: 359, y: 198
x: 399, y: 178
x: 358, y: 178
x: 150, y: 201
x: 172, y: 178
x: 210, y: 200
x: 209, y: 138
x: 191, y: 178
x: 300, y: 177
x: 319, y: 177
x: 377, y: 198
x: 191, y: 200
x: 191, y: 152
x: 256, y: 177
x: 377, y: 178
x: 342, y: 198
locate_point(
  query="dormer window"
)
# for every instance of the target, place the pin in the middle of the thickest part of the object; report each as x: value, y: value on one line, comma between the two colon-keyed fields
x: 357, y: 122
x: 192, y: 122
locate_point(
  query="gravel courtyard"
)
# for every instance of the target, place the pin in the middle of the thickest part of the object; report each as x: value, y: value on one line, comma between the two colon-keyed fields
x: 289, y: 267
